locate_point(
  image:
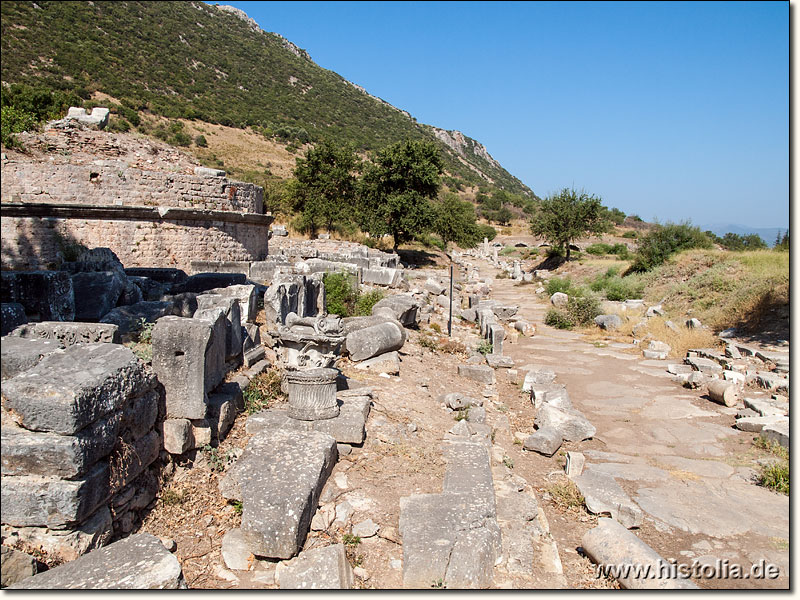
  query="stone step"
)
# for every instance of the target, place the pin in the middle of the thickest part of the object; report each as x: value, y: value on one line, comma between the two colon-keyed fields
x: 453, y: 538
x: 278, y: 479
x: 138, y: 562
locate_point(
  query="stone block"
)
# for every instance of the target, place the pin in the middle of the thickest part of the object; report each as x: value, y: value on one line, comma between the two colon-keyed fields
x: 96, y: 293
x: 496, y: 336
x: 382, y: 276
x: 52, y: 455
x: 402, y: 307
x: 505, y: 312
x: 279, y: 478
x: 377, y: 339
x: 69, y: 390
x: 46, y: 295
x: 20, y: 354
x: 207, y: 304
x: 704, y: 365
x: 324, y: 568
x: 188, y: 362
x: 559, y: 300
x: 129, y: 318
x: 499, y: 362
x: 757, y: 424
x: 574, y: 464
x: 777, y: 433
x: 569, y: 422
x: 388, y: 363
x: 608, y: 322
x: 223, y: 406
x: 203, y: 282
x: 480, y: 373
x: 69, y: 333
x: 178, y: 437
x: 434, y: 287
x: 12, y: 315
x: 16, y: 566
x: 602, y: 494
x: 135, y: 563
x: 545, y: 441
x: 247, y: 297
x: 35, y: 501
x: 164, y: 275
x: 235, y: 552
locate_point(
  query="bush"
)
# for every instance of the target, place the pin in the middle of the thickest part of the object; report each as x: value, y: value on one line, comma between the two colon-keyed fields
x: 366, y: 301
x: 559, y: 285
x: 776, y: 477
x: 631, y: 235
x: 616, y: 288
x: 487, y: 231
x: 582, y: 309
x: 200, y: 141
x: 262, y: 390
x: 340, y: 297
x: 658, y: 245
x: 599, y: 249
x: 485, y: 347
x: 558, y: 319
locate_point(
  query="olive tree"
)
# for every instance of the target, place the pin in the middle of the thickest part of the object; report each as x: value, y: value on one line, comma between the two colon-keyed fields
x: 567, y: 216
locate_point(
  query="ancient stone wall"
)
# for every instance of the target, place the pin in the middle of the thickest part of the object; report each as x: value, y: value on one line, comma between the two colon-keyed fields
x: 145, y: 241
x: 113, y: 182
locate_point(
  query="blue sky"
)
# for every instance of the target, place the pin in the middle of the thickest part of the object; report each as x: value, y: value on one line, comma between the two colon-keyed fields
x: 671, y: 111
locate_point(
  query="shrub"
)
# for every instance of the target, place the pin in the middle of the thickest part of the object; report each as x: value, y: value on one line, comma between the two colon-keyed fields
x: 340, y: 297
x: 598, y: 249
x: 631, y: 235
x: 617, y: 288
x: 776, y: 477
x: 559, y: 285
x: 558, y: 319
x: 658, y: 245
x: 582, y: 309
x: 200, y: 141
x: 262, y: 390
x: 485, y: 347
x: 365, y: 302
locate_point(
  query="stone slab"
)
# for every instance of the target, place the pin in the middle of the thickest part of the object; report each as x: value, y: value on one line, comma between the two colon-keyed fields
x: 279, y: 478
x: 138, y: 562
x: 777, y: 433
x: 603, y: 494
x: 69, y: 390
x: 68, y: 333
x: 324, y: 568
x: 480, y: 373
x: 20, y: 354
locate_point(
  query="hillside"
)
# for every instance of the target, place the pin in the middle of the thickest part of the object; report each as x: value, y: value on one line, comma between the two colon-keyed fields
x: 190, y: 60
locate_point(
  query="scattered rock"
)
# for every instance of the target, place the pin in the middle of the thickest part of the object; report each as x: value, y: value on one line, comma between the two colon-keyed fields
x: 545, y: 441
x: 365, y: 529
x: 608, y: 322
x: 321, y: 568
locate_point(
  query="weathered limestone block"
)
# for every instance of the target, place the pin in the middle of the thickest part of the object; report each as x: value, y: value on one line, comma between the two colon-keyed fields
x: 388, y: 363
x: 135, y: 563
x: 497, y: 361
x: 496, y: 336
x: 545, y: 441
x: 404, y: 308
x: 704, y: 365
x: 573, y: 465
x: 559, y: 300
x: 35, y: 501
x: 188, y: 362
x: 223, y: 406
x: 178, y: 437
x: 756, y: 424
x: 12, y: 315
x: 247, y: 298
x: 279, y: 478
x: 569, y: 422
x: 97, y: 119
x: 16, y: 566
x: 777, y: 433
x: 69, y: 390
x: 203, y: 282
x: 480, y: 373
x: 46, y: 295
x: 20, y: 354
x: 69, y: 333
x: 375, y: 340
x: 434, y: 287
x: 52, y: 455
x: 382, y: 276
x: 96, y: 293
x: 234, y: 332
x: 525, y: 328
x: 129, y: 318
x: 612, y: 544
x: 608, y: 322
x: 324, y: 568
x: 312, y: 394
x: 603, y: 494
x: 505, y: 312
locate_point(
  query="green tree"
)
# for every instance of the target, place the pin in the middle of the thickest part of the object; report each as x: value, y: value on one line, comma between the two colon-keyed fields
x: 397, y: 188
x: 567, y: 216
x: 324, y: 186
x: 736, y: 242
x: 454, y: 221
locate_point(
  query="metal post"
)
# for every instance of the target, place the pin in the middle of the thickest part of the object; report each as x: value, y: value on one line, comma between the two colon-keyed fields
x: 450, y: 320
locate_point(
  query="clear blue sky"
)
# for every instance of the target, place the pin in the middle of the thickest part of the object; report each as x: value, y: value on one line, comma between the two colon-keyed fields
x: 671, y: 111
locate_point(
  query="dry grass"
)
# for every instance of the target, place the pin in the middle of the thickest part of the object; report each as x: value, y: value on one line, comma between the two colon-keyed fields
x: 566, y: 495
x: 682, y: 340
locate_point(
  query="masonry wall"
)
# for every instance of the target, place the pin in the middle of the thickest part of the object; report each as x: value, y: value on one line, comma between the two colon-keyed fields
x: 148, y: 218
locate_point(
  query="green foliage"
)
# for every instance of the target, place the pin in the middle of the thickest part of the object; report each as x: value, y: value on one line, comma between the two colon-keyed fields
x: 782, y: 243
x: 620, y: 250
x: 664, y: 241
x: 200, y: 141
x: 397, y: 188
x: 583, y: 308
x: 324, y: 186
x: 485, y: 347
x: 145, y: 330
x: 454, y: 221
x: 194, y: 61
x: 567, y: 216
x: 558, y: 319
x: 171, y: 498
x: 237, y: 505
x: 556, y: 284
x: 508, y: 462
x: 614, y: 215
x: 486, y: 231
x: 741, y: 243
x: 348, y: 539
x: 366, y: 301
x: 618, y: 288
x: 631, y: 235
x: 216, y: 459
x: 776, y: 477
x: 340, y: 293
x: 462, y: 414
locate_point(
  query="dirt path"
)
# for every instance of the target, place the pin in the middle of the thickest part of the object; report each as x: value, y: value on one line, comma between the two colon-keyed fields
x: 675, y: 453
